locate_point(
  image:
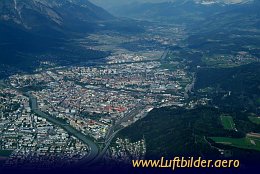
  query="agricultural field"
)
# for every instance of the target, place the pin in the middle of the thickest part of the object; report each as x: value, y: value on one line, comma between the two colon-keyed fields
x: 255, y: 120
x: 227, y: 122
x: 249, y: 142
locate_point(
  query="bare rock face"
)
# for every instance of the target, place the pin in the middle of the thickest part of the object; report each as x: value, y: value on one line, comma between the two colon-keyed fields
x: 29, y: 28
x: 31, y: 14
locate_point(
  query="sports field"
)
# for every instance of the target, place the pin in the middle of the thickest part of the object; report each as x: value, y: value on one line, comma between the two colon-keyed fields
x: 249, y: 142
x: 227, y: 122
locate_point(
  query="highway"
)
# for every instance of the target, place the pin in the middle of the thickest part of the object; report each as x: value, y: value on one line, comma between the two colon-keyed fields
x: 164, y: 56
x: 118, y: 127
x: 130, y: 115
x: 94, y: 154
x: 114, y: 130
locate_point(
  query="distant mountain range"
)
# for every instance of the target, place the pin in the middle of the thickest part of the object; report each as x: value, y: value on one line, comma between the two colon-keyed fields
x: 54, y: 14
x: 178, y: 10
x: 206, y: 2
x: 113, y: 5
x: 29, y: 28
x: 233, y: 23
x: 212, y: 26
x: 231, y: 29
x: 32, y: 28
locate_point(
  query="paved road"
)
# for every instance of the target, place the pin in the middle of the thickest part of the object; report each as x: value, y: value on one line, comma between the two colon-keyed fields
x: 92, y: 146
x: 104, y: 150
x: 94, y: 155
x: 130, y: 115
x: 164, y: 56
x: 113, y: 132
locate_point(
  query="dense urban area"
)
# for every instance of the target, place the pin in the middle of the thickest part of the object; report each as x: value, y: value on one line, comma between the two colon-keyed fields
x: 159, y: 92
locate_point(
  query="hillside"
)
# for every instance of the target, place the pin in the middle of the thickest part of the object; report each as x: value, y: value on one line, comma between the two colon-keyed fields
x: 34, y: 29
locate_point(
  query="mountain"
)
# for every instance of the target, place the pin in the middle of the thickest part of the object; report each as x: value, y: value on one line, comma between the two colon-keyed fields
x: 224, y: 2
x: 55, y: 14
x: 30, y: 29
x: 212, y: 26
x: 177, y: 11
x: 113, y: 4
x: 235, y: 28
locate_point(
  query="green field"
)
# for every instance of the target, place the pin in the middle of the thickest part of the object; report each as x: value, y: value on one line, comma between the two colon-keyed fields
x: 255, y: 120
x: 227, y: 122
x: 5, y: 153
x: 258, y: 101
x: 243, y: 143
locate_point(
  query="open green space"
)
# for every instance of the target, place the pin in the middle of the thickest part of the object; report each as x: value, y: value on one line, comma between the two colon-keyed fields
x: 169, y: 132
x: 252, y: 143
x: 242, y: 82
x: 227, y: 122
x: 258, y: 101
x: 255, y: 120
x: 168, y: 66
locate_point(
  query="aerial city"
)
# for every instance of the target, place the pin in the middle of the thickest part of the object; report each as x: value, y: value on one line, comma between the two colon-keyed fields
x: 129, y: 86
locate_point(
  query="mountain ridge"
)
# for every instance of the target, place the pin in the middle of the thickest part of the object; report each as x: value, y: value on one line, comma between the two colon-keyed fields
x: 31, y: 14
x: 32, y: 29
x: 179, y: 11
